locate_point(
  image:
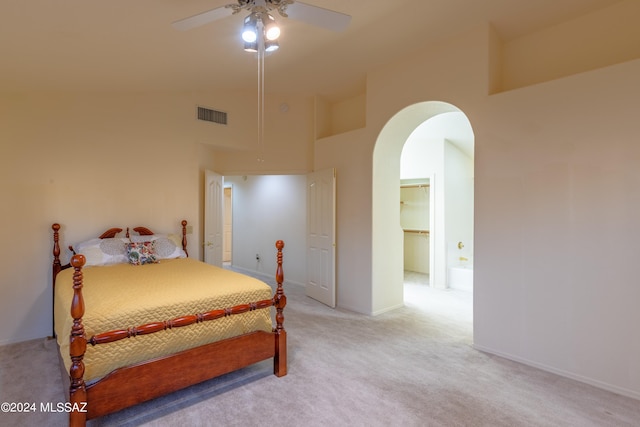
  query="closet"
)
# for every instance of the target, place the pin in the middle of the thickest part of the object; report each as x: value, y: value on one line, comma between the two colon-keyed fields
x: 414, y: 220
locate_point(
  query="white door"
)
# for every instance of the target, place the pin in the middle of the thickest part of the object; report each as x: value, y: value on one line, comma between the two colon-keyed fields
x: 213, y: 218
x: 228, y: 215
x: 321, y: 243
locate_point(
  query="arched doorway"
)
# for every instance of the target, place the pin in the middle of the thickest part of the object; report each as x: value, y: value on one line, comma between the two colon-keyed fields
x: 387, y: 234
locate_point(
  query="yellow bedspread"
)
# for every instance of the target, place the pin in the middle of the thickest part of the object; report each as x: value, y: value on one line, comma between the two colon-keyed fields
x: 122, y: 296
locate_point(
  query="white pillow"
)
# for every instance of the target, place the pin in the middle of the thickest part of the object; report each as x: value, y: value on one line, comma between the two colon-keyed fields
x: 167, y: 246
x: 104, y: 251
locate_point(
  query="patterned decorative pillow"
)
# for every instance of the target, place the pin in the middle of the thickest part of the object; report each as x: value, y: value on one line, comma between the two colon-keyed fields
x: 140, y: 253
x: 167, y: 246
x: 104, y: 251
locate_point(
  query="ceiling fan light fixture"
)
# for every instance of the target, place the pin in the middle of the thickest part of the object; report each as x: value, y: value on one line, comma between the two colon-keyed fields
x: 251, y: 46
x: 271, y: 45
x: 271, y: 29
x: 250, y: 29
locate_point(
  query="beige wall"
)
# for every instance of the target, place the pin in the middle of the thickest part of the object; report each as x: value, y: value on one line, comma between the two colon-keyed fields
x: 585, y: 43
x: 288, y: 137
x: 556, y: 203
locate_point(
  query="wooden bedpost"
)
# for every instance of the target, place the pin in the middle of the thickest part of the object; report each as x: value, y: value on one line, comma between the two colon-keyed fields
x: 280, y: 301
x: 184, y: 236
x: 77, y: 348
x: 57, y: 266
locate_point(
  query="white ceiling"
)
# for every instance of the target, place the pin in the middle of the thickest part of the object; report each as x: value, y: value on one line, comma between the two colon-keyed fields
x: 130, y: 45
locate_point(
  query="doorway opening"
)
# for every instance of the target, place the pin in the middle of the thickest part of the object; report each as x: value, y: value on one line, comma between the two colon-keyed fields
x: 436, y: 200
x: 265, y: 208
x: 436, y: 134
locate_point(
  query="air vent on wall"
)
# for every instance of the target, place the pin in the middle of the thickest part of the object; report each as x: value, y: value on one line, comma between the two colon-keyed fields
x: 214, y: 116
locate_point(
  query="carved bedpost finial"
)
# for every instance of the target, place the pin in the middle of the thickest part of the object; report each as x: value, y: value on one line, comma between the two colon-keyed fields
x: 279, y: 273
x: 78, y: 261
x: 56, y: 251
x: 77, y: 344
x: 184, y: 236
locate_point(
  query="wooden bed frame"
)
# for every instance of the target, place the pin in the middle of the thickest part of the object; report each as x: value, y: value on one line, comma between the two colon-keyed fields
x: 128, y: 386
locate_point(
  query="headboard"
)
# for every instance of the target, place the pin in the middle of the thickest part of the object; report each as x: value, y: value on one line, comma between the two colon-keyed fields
x: 110, y: 233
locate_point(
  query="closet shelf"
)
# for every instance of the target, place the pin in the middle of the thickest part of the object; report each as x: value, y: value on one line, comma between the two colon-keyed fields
x: 409, y: 230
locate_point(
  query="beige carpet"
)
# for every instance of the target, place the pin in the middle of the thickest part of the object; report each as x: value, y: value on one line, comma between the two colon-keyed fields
x: 411, y: 367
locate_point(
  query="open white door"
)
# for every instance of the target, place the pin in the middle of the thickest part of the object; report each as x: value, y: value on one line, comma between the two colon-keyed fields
x: 228, y: 225
x: 321, y: 242
x: 213, y: 218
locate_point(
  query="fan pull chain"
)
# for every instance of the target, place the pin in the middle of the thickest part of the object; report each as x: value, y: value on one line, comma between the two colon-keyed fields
x: 260, y: 99
x: 261, y: 51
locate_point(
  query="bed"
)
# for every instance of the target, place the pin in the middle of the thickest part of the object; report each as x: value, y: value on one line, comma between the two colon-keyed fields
x: 156, y: 321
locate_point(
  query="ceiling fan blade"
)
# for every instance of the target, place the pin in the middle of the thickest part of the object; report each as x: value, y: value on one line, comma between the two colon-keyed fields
x: 318, y: 16
x: 202, y: 18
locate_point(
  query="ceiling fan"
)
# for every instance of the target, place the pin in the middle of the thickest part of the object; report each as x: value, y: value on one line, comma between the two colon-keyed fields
x: 260, y: 21
x: 309, y: 14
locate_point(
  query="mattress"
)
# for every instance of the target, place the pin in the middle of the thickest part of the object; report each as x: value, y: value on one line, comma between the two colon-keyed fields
x: 122, y: 296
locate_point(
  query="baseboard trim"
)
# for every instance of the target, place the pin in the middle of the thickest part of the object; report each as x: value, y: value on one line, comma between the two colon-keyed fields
x: 567, y: 374
x: 387, y: 309
x: 20, y: 340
